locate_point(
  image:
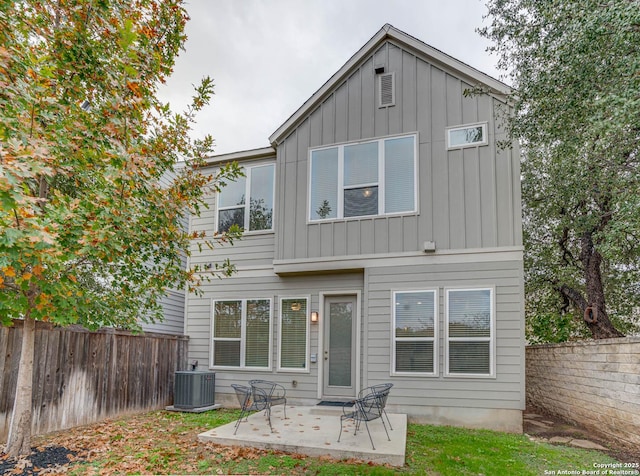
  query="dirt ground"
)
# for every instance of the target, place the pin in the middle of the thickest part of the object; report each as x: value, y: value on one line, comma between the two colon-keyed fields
x: 553, y: 426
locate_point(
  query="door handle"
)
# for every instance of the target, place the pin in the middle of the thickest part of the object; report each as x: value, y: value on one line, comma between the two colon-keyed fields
x: 326, y: 355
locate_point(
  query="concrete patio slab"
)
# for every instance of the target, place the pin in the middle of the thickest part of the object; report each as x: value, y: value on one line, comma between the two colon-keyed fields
x: 314, y: 431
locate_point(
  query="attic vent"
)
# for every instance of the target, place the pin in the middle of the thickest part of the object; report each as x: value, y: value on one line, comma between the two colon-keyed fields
x: 387, y: 90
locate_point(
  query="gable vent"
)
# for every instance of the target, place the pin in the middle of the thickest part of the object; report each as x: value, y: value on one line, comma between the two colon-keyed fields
x: 386, y: 89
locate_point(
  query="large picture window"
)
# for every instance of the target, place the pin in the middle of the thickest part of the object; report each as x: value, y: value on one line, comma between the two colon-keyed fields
x: 294, y: 334
x: 363, y: 179
x: 415, y: 325
x: 254, y: 214
x: 241, y: 333
x: 470, y: 332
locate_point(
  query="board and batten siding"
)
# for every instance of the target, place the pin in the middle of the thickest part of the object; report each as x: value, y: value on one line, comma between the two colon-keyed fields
x: 258, y: 284
x: 422, y: 395
x: 468, y: 198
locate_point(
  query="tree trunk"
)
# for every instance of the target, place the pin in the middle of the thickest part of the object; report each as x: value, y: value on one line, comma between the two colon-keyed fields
x: 19, y: 439
x: 598, y: 320
x: 593, y: 307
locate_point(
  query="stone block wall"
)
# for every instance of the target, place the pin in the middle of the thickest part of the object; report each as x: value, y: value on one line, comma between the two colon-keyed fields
x: 595, y: 384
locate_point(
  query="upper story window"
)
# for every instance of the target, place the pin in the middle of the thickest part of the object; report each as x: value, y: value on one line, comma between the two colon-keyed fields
x: 469, y: 135
x: 254, y: 214
x: 363, y: 179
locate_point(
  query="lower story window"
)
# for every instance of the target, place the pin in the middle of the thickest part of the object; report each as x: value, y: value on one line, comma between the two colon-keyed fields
x: 415, y: 330
x: 241, y: 333
x: 470, y: 332
x: 294, y: 334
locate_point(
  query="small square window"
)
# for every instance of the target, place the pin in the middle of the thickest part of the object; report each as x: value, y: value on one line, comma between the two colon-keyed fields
x: 467, y: 136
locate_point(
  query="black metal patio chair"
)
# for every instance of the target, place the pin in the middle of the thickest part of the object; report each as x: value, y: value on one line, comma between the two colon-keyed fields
x: 382, y: 390
x: 276, y: 393
x: 251, y: 399
x: 365, y: 409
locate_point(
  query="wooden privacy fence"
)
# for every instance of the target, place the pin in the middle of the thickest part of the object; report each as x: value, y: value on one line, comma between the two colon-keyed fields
x: 81, y: 377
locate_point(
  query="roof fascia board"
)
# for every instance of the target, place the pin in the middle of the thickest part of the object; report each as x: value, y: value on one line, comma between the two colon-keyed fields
x: 241, y: 156
x: 388, y: 32
x: 449, y: 62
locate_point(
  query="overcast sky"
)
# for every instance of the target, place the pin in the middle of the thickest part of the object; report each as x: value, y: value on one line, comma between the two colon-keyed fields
x: 267, y: 57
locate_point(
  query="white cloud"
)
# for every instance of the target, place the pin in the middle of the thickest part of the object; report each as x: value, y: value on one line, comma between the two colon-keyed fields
x: 267, y: 57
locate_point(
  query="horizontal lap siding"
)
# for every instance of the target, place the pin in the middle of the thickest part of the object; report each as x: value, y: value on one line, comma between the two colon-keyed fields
x: 248, y: 285
x: 249, y: 251
x: 506, y: 391
x: 173, y: 303
x: 173, y: 312
x: 468, y: 198
x: 252, y: 249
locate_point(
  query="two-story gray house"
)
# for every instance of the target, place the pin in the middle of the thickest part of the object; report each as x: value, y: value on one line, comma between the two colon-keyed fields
x: 382, y: 244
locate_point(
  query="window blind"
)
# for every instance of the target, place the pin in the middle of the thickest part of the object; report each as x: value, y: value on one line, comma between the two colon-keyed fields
x: 293, y: 334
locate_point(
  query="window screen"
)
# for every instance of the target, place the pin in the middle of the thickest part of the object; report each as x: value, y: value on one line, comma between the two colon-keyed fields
x: 254, y: 214
x: 293, y: 333
x: 470, y: 331
x: 241, y: 324
x: 365, y: 179
x: 415, y: 323
x: 324, y: 184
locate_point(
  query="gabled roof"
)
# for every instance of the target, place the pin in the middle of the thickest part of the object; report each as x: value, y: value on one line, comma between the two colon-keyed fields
x: 386, y: 33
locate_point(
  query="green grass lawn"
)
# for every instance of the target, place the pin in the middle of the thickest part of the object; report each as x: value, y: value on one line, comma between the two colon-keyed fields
x: 166, y: 443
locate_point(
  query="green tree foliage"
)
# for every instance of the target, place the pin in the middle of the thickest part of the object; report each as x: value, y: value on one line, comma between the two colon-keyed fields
x: 88, y: 233
x: 575, y: 67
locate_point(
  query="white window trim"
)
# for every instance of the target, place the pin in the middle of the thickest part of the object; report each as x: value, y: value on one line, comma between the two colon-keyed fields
x: 242, y: 338
x: 485, y: 136
x: 247, y: 205
x: 306, y: 369
x: 491, y: 339
x: 381, y: 180
x: 434, y: 339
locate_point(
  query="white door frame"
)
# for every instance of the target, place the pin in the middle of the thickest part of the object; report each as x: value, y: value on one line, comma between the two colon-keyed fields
x: 357, y: 349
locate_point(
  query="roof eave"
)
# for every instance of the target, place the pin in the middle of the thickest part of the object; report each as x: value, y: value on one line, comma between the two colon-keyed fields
x: 241, y: 156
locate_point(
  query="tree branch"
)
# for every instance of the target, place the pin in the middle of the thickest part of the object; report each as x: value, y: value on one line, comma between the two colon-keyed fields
x: 574, y: 296
x: 567, y: 256
x: 15, y: 214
